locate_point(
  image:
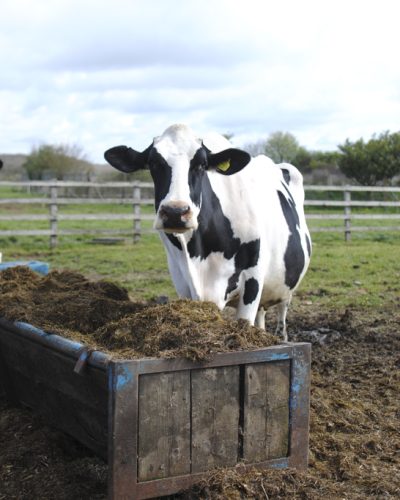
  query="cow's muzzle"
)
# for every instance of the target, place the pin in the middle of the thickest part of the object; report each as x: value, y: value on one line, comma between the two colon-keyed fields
x: 175, y: 217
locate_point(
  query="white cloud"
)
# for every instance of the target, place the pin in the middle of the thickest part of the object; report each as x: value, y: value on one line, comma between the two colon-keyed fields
x: 98, y: 72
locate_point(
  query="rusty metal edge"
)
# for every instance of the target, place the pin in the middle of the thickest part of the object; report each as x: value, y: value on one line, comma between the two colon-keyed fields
x: 123, y: 408
x: 299, y: 404
x: 273, y: 353
x: 55, y: 342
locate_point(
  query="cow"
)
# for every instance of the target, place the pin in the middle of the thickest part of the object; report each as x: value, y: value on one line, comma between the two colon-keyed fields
x: 233, y: 226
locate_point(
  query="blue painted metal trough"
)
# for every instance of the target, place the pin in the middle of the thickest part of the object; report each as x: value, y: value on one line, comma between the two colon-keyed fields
x: 162, y: 423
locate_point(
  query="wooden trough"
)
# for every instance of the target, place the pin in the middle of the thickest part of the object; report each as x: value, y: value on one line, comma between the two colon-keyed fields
x: 162, y: 423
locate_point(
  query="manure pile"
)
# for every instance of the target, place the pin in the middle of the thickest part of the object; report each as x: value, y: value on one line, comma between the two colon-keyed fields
x: 354, y: 428
x: 100, y: 314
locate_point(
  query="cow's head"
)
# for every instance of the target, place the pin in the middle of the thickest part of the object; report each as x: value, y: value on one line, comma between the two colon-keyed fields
x: 177, y: 161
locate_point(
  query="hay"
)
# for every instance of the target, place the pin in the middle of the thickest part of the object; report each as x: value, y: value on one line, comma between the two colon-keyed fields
x: 101, y: 315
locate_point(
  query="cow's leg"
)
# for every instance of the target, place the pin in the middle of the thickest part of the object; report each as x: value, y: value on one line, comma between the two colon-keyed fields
x: 260, y: 318
x: 282, y: 309
x: 249, y: 300
x: 179, y: 280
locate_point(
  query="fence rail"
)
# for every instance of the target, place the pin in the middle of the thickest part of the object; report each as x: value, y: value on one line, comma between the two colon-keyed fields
x: 50, y: 198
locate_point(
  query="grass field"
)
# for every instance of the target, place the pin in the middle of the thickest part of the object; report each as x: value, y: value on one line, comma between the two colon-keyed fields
x: 365, y: 271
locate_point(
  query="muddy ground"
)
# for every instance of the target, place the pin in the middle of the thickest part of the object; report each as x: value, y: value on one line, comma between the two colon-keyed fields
x: 354, y: 433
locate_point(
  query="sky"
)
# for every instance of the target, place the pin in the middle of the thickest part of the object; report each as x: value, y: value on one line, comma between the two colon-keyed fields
x: 99, y: 73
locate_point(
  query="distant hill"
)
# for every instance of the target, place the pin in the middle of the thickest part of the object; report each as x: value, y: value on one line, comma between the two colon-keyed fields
x: 12, y: 171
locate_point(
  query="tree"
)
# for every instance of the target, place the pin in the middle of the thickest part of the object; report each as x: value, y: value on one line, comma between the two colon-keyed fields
x: 372, y: 162
x: 56, y: 161
x: 284, y: 147
x: 281, y: 147
x: 255, y: 148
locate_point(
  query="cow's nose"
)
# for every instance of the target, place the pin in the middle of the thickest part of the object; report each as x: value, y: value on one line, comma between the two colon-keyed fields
x: 173, y: 211
x: 175, y: 215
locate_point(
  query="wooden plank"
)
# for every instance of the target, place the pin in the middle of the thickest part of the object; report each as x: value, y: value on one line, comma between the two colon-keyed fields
x: 44, y: 365
x: 215, y: 417
x: 353, y: 216
x: 376, y: 189
x: 170, y: 486
x: 75, y: 201
x: 71, y: 348
x: 300, y: 405
x: 26, y: 232
x: 84, y: 422
x: 104, y: 217
x: 164, y: 425
x: 273, y: 353
x: 23, y: 217
x: 330, y: 203
x: 266, y: 411
x: 44, y: 380
x: 359, y: 229
x: 126, y: 184
x: 121, y: 184
x: 122, y: 430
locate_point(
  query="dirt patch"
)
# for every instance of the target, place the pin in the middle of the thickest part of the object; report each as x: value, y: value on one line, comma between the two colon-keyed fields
x: 354, y: 431
x: 37, y: 461
x: 101, y: 315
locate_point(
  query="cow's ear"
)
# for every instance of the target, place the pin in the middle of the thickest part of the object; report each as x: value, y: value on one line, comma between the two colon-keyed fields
x: 127, y: 159
x: 228, y: 162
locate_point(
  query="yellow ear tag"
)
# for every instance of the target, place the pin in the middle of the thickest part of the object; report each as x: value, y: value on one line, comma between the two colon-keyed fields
x: 224, y: 166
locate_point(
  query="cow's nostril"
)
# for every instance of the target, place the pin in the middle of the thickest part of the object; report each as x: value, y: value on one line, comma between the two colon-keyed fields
x: 185, y: 210
x: 174, y: 211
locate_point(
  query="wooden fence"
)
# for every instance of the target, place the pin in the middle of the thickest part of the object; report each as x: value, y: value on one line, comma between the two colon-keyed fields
x: 56, y: 195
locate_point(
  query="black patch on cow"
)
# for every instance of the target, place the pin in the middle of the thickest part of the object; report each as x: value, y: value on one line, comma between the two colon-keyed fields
x: 286, y: 175
x: 246, y: 257
x: 174, y: 240
x: 214, y: 233
x: 308, y: 245
x: 161, y: 173
x: 294, y: 255
x: 232, y: 283
x: 251, y: 288
x: 197, y: 173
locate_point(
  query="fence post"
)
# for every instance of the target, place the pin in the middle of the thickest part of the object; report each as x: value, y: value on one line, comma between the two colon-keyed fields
x: 136, y: 213
x: 347, y: 216
x: 53, y: 215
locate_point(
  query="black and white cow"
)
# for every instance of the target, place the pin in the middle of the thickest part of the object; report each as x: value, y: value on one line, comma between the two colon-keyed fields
x: 231, y: 239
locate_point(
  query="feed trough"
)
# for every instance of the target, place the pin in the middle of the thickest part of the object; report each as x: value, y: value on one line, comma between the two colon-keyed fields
x: 163, y: 423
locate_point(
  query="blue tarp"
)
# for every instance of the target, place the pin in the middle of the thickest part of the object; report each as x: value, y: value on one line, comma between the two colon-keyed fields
x: 35, y: 265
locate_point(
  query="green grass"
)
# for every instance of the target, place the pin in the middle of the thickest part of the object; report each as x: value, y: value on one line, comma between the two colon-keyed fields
x: 363, y: 272
x: 141, y: 268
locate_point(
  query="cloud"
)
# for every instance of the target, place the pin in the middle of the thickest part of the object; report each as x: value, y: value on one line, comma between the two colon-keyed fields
x: 100, y: 72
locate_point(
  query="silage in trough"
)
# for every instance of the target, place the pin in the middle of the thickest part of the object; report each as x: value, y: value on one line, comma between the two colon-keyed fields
x: 101, y: 315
